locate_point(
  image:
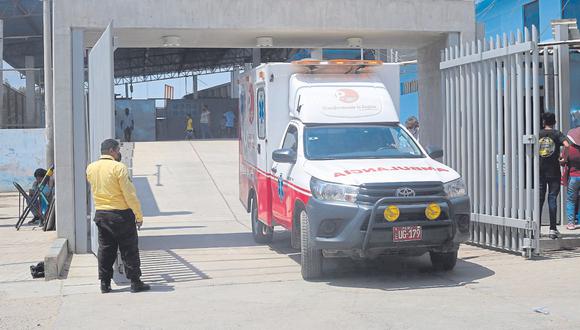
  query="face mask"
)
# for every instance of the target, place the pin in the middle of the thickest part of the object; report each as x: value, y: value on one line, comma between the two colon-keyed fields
x: 119, y: 157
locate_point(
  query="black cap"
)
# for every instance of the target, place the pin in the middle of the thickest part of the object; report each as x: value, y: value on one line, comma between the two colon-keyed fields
x: 39, y: 173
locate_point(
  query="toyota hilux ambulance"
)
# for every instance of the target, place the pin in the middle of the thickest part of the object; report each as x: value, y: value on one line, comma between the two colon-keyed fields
x: 323, y: 154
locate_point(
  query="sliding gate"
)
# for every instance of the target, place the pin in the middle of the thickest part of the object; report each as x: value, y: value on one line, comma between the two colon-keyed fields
x: 492, y: 120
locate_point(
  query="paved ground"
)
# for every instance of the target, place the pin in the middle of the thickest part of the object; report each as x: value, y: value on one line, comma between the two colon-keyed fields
x: 207, y: 272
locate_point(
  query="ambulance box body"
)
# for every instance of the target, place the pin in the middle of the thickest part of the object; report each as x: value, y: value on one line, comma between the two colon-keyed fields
x: 323, y: 154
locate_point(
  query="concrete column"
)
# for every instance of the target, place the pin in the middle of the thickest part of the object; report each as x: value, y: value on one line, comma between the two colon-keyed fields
x: 3, y: 114
x: 30, y: 117
x: 235, y: 87
x: 316, y: 53
x: 564, y: 76
x: 431, y: 114
x: 80, y: 144
x: 63, y: 136
x: 194, y: 87
x: 48, y: 81
x: 256, y: 57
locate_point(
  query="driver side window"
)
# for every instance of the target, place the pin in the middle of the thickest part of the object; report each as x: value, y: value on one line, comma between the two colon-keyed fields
x: 291, y: 139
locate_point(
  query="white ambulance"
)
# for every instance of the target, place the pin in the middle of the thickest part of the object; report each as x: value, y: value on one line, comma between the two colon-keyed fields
x: 322, y: 154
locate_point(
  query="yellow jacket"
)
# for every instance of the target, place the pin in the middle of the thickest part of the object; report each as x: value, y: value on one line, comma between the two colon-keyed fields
x: 111, y: 187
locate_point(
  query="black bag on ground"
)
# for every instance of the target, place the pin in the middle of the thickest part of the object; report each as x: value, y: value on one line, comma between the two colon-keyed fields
x: 38, y: 270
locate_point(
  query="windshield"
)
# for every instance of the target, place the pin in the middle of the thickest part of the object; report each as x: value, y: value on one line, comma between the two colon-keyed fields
x: 358, y: 141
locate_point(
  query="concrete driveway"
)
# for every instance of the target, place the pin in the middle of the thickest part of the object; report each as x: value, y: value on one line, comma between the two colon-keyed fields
x: 207, y: 272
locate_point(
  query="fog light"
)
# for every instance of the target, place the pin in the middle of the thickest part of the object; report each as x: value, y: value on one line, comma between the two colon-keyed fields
x: 328, y: 228
x: 392, y: 213
x: 432, y: 211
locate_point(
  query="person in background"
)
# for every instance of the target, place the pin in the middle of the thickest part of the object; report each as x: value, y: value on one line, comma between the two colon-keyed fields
x: 117, y: 216
x: 127, y: 125
x: 189, y: 128
x: 229, y: 117
x: 551, y: 140
x: 571, y: 176
x: 39, y: 174
x: 412, y: 125
x: 204, y: 121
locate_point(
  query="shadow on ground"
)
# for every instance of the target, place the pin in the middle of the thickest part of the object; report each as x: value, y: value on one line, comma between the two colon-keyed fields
x: 170, y: 227
x: 161, y: 267
x: 196, y: 241
x: 148, y: 202
x: 389, y: 273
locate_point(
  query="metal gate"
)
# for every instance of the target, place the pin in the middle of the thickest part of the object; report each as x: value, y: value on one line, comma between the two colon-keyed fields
x: 492, y: 121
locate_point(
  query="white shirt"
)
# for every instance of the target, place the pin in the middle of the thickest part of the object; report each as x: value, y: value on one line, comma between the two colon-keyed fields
x: 204, y: 119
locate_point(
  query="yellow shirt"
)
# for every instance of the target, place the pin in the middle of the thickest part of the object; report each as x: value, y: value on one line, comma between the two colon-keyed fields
x: 189, y: 124
x: 111, y: 187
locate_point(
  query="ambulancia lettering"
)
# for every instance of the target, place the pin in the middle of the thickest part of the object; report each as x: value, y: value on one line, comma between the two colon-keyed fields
x: 392, y: 168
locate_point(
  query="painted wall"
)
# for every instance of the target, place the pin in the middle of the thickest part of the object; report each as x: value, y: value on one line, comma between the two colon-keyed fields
x: 506, y: 16
x: 409, y: 103
x: 173, y: 126
x: 143, y: 112
x: 574, y: 88
x: 21, y: 152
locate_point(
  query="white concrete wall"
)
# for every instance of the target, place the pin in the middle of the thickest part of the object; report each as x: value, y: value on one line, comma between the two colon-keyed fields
x: 22, y: 151
x: 297, y: 23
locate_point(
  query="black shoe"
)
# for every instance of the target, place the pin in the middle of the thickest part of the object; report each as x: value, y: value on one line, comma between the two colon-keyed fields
x: 105, y: 286
x: 33, y: 221
x: 139, y: 286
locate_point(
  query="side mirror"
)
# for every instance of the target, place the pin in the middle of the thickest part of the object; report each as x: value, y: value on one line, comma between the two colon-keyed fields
x: 434, y: 152
x: 284, y: 156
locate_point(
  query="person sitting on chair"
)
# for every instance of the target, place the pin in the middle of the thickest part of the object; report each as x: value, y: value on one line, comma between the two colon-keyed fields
x: 39, y: 174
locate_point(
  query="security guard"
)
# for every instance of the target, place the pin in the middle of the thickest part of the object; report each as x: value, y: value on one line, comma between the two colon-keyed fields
x: 118, y: 214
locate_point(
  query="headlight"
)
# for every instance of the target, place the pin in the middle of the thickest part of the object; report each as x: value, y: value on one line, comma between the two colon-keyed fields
x: 455, y: 188
x: 327, y: 191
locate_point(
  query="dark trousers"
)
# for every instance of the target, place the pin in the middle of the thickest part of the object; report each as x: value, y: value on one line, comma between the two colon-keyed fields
x: 553, y: 187
x: 128, y: 132
x: 117, y: 229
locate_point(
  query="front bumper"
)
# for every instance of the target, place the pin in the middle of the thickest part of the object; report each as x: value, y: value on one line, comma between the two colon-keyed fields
x: 341, y: 227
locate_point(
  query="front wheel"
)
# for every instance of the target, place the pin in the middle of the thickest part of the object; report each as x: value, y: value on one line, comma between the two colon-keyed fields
x: 262, y: 233
x: 443, y: 260
x: 311, y: 257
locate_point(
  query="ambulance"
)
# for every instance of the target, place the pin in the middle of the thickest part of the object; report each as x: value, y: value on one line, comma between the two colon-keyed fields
x: 323, y: 155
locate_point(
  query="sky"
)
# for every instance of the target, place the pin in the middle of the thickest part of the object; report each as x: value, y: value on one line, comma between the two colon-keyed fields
x: 13, y: 77
x: 156, y: 89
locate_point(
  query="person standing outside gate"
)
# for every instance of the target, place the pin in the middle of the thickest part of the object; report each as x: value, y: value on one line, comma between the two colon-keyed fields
x: 229, y: 117
x: 571, y: 176
x: 127, y: 125
x: 204, y: 121
x: 412, y: 125
x: 551, y: 140
x: 189, y: 128
x: 118, y: 215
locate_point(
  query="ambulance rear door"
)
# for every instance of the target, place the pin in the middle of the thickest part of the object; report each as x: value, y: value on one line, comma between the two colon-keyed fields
x: 264, y: 195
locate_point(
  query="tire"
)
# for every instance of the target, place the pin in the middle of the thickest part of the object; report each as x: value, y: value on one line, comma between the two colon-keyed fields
x: 262, y: 233
x: 311, y: 258
x: 443, y: 260
x: 295, y: 235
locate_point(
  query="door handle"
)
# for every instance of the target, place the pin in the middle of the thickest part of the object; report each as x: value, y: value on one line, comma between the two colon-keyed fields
x: 274, y: 170
x: 259, y: 148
